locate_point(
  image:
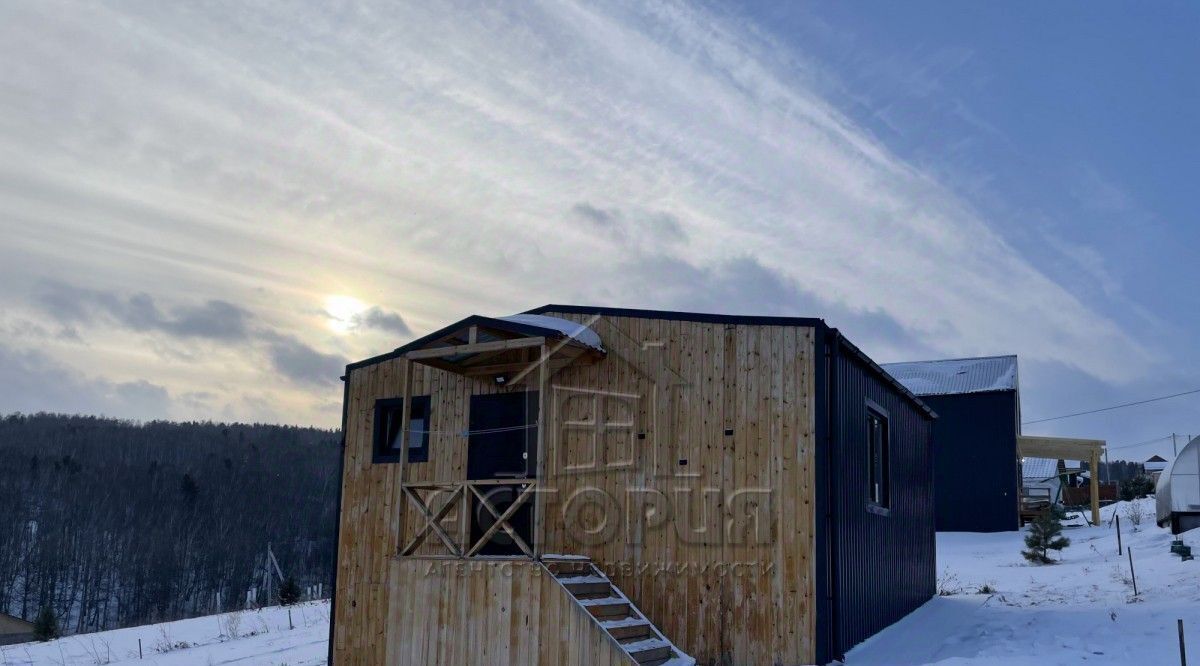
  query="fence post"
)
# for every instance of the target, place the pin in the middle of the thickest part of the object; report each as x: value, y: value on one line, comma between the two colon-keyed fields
x: 1118, y: 535
x: 1132, y: 575
x: 1182, y: 648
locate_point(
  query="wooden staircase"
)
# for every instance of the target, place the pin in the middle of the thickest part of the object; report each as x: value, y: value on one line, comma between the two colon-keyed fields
x: 614, y: 613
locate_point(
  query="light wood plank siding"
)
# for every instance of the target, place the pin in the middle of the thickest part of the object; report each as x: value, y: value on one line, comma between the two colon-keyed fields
x: 488, y: 613
x: 668, y: 391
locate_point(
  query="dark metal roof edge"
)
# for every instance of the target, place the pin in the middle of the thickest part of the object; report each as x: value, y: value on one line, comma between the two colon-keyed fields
x: 948, y: 360
x: 703, y: 317
x: 979, y: 392
x: 883, y: 374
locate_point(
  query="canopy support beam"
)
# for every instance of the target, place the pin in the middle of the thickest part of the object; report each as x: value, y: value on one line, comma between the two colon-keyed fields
x: 1071, y: 449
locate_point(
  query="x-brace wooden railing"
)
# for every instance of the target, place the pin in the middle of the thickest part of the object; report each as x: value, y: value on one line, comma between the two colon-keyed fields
x: 462, y: 494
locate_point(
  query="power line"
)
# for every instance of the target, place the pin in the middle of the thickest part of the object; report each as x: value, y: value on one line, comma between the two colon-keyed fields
x: 1109, y: 409
x: 1130, y: 446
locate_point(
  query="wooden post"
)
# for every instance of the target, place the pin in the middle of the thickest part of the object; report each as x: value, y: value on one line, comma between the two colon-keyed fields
x: 1118, y: 533
x: 464, y: 518
x: 290, y: 625
x: 539, y: 504
x: 1132, y: 575
x: 404, y: 435
x: 1094, y: 483
x: 139, y: 648
x: 1182, y: 647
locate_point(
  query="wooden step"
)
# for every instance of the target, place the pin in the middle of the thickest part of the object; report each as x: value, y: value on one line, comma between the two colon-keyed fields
x: 566, y: 568
x: 607, y: 608
x: 631, y: 632
x: 588, y: 589
x: 652, y: 654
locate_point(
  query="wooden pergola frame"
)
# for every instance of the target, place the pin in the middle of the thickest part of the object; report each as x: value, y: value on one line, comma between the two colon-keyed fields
x: 1069, y: 448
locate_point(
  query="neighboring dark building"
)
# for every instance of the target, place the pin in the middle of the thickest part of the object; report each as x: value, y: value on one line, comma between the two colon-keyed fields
x: 978, y: 402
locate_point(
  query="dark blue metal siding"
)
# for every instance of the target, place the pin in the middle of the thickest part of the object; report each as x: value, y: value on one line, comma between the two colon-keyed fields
x: 884, y: 566
x: 975, y: 461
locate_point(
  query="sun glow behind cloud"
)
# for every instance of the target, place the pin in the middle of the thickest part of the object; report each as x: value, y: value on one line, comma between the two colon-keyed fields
x: 343, y: 312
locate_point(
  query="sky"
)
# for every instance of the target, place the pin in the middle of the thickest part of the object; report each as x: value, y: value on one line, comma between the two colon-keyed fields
x: 207, y: 210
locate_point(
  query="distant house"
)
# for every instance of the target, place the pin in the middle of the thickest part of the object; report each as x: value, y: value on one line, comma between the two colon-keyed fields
x: 1178, y: 491
x: 14, y: 630
x: 975, y: 438
x: 1154, y: 466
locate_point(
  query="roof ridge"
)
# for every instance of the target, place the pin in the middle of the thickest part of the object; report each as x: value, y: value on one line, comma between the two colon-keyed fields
x: 951, y: 360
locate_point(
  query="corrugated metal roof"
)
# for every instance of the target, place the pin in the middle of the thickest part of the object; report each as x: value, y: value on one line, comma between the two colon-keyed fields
x: 958, y: 375
x: 1039, y: 469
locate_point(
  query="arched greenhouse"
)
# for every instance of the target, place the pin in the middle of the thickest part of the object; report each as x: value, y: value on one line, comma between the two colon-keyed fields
x: 1178, y: 493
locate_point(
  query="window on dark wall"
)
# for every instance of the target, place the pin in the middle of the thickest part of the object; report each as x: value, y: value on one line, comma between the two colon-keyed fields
x: 879, y: 491
x: 389, y: 426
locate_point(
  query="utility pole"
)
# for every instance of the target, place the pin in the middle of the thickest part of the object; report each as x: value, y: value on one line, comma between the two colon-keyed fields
x: 1107, y: 469
x: 1173, y: 447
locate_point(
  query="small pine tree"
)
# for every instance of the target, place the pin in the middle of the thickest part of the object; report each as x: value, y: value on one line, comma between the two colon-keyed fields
x: 45, y: 625
x: 1045, y: 535
x: 289, y: 592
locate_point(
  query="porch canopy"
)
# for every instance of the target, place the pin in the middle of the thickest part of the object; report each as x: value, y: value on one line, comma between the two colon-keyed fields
x: 1067, y: 448
x: 507, y: 348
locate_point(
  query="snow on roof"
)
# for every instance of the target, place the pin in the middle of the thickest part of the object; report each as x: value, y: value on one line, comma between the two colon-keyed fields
x: 582, y: 334
x: 959, y: 375
x: 1039, y: 468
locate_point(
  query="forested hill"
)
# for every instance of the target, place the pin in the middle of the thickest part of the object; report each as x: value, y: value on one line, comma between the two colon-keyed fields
x: 114, y: 523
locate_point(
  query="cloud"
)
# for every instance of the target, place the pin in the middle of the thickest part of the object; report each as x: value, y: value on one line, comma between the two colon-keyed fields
x: 383, y: 320
x: 34, y: 382
x: 301, y: 363
x: 633, y: 228
x: 213, y: 319
x: 546, y: 167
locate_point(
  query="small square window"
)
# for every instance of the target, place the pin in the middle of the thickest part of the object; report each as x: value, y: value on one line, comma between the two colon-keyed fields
x: 389, y: 429
x: 879, y: 491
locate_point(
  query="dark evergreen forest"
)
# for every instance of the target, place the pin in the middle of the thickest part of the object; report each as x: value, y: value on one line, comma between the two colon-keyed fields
x: 113, y: 523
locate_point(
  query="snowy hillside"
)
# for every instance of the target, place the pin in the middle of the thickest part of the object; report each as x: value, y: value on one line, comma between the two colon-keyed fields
x: 996, y: 610
x: 250, y: 638
x: 1081, y: 611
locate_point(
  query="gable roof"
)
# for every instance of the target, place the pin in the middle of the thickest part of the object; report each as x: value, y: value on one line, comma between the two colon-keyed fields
x: 957, y: 375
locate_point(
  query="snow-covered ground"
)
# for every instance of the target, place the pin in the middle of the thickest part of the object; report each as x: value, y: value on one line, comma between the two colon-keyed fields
x: 248, y: 638
x: 995, y: 610
x: 1080, y: 611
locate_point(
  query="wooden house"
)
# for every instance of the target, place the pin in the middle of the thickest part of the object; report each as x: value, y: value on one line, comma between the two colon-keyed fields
x: 14, y: 630
x: 584, y: 485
